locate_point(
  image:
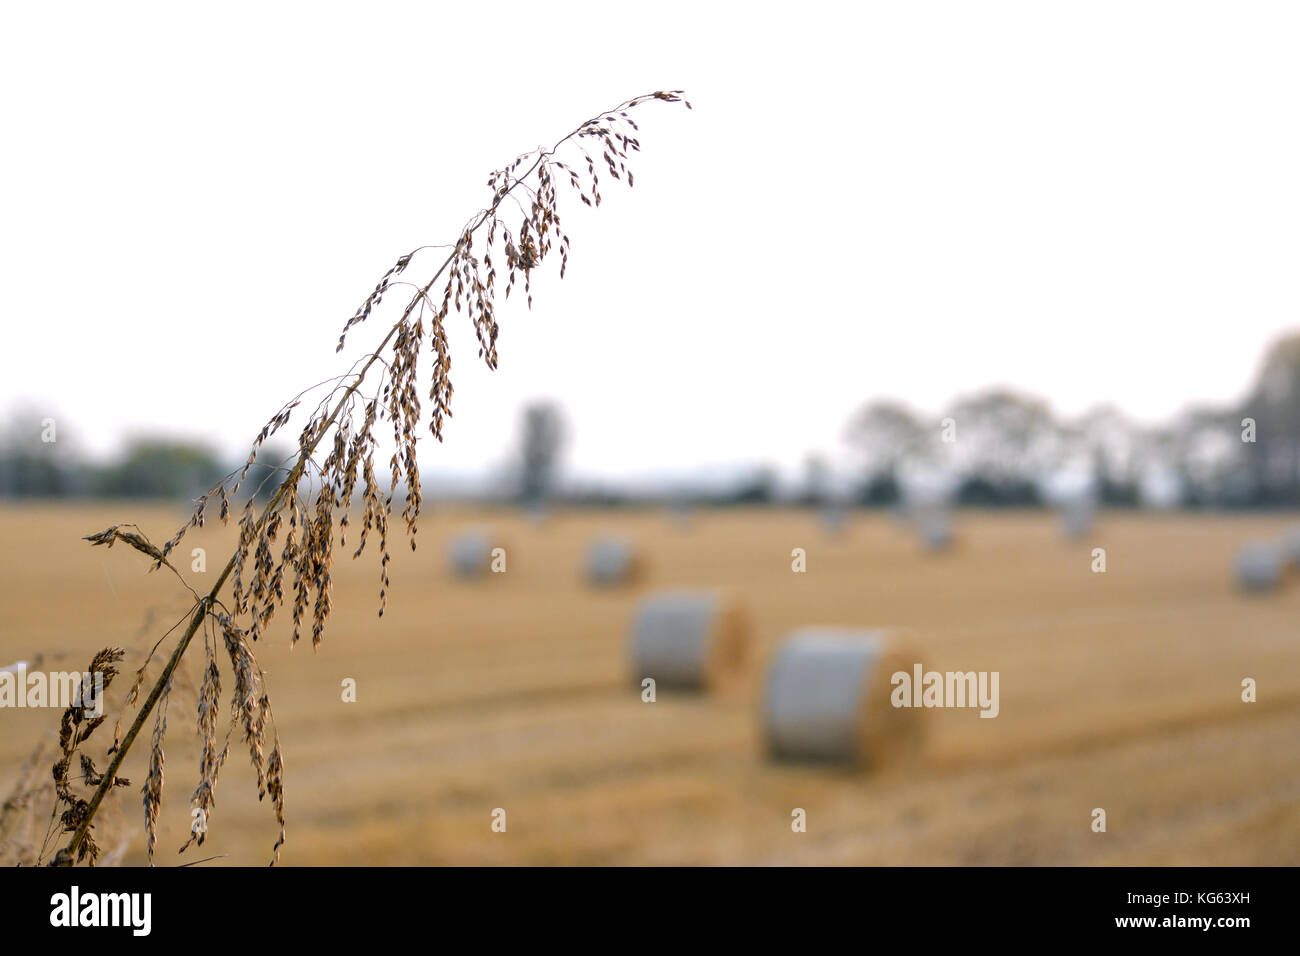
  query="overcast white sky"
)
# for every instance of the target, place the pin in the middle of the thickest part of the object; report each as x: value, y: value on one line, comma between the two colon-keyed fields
x: 1091, y: 201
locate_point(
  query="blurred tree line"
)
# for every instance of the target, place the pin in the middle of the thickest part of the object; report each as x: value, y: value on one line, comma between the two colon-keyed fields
x: 1001, y: 446
x: 38, y: 462
x: 996, y: 448
x: 1004, y: 448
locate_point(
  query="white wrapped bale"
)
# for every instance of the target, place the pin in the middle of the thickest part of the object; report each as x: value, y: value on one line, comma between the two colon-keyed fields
x: 834, y: 517
x: 934, y: 528
x: 1259, y: 566
x: 680, y: 513
x: 612, y: 561
x: 827, y: 697
x: 1291, y: 547
x: 470, y: 554
x: 1076, y: 518
x: 689, y: 640
x: 538, y: 513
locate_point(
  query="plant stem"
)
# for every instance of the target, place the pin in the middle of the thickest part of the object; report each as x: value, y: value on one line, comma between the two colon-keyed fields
x: 68, y: 855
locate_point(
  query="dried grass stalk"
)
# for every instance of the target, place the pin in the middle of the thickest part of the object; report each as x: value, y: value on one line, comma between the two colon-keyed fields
x: 153, y: 784
x: 311, y: 503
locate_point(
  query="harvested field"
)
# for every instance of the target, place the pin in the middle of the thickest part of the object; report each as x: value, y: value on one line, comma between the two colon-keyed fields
x: 1119, y: 690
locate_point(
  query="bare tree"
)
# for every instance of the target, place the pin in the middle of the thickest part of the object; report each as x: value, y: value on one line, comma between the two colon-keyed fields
x: 1273, y: 405
x: 885, y: 435
x: 1005, y: 443
x: 541, y: 442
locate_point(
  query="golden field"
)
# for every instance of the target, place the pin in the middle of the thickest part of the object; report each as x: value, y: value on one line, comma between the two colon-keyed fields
x: 1118, y: 690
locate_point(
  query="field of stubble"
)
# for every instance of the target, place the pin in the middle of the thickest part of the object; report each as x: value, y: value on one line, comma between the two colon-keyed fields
x: 1118, y: 690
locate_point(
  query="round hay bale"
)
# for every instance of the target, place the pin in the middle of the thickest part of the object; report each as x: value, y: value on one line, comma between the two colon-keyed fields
x: 1291, y: 547
x: 691, y: 640
x: 680, y: 514
x: 613, y: 561
x: 1076, y: 518
x: 834, y: 517
x: 1259, y: 566
x: 470, y: 554
x: 827, y: 697
x: 934, y: 528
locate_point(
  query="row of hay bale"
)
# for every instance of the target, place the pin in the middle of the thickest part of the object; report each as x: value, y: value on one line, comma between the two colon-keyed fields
x: 932, y: 521
x: 826, y: 692
x: 1262, y: 564
x: 612, y: 560
x: 609, y: 561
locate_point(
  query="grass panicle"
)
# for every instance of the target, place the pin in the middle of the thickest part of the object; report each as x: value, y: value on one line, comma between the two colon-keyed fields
x: 501, y: 246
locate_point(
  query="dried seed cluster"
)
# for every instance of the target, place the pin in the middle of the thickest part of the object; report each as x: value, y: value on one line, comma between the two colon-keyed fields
x: 312, y: 505
x: 75, y: 728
